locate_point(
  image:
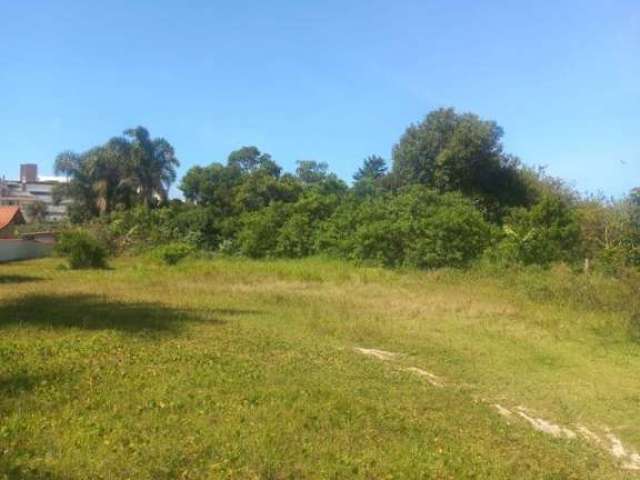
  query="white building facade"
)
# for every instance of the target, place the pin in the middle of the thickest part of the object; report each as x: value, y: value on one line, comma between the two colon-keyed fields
x: 30, y: 189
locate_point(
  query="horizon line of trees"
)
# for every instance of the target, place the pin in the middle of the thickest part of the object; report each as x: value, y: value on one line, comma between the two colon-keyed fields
x: 451, y: 195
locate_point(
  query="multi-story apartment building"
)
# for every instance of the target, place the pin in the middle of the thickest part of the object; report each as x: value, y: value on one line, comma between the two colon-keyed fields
x: 31, y: 188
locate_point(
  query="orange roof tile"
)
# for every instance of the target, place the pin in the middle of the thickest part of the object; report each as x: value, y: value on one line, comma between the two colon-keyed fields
x: 8, y: 215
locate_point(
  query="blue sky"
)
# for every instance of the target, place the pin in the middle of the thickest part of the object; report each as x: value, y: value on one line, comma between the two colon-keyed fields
x: 327, y: 80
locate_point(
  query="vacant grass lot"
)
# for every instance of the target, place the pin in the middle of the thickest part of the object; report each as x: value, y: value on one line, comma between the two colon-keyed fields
x: 239, y: 369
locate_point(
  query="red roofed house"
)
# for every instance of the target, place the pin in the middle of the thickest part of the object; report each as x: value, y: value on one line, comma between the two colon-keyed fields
x: 9, y: 218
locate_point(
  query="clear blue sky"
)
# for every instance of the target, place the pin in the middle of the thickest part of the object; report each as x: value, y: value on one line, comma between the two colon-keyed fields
x: 331, y: 80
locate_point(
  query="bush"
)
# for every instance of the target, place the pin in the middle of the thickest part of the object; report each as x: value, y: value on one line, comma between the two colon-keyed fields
x: 81, y: 249
x: 417, y: 228
x: 258, y: 235
x: 141, y: 228
x: 172, y: 253
x: 549, y: 232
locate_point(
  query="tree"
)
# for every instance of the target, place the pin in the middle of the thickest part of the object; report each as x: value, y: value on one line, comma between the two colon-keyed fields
x: 67, y: 163
x: 373, y: 167
x: 259, y: 188
x: 213, y: 186
x: 117, y: 174
x: 250, y: 159
x: 111, y: 172
x: 153, y: 164
x: 460, y: 152
x: 310, y: 171
x: 78, y: 188
x: 37, y: 211
x: 98, y: 180
x: 632, y: 228
x: 369, y: 178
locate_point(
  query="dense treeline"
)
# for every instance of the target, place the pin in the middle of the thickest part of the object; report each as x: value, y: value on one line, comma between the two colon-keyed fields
x: 451, y: 197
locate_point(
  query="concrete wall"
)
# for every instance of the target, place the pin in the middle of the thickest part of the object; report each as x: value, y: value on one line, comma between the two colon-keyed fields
x: 23, y: 249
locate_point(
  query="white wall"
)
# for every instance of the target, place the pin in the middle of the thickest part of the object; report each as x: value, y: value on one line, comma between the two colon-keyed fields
x: 23, y: 249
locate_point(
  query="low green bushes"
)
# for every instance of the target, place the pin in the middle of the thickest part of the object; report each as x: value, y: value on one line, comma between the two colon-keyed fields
x: 81, y: 249
x: 417, y: 228
x: 172, y: 253
x: 410, y: 227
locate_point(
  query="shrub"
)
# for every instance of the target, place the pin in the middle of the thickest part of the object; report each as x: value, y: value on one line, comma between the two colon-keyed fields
x: 140, y: 228
x: 258, y: 235
x: 172, y: 253
x: 417, y: 227
x: 549, y: 232
x: 81, y: 249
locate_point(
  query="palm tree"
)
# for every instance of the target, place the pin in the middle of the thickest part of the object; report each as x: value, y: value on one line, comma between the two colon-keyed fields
x: 153, y: 163
x: 117, y: 174
x: 79, y: 185
x: 99, y: 179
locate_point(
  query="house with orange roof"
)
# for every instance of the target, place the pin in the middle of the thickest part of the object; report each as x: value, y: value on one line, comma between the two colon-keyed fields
x: 10, y: 217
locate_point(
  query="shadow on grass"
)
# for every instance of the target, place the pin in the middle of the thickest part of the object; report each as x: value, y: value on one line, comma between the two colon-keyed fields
x: 18, y: 383
x: 27, y: 473
x: 18, y: 279
x: 91, y: 312
x: 231, y: 312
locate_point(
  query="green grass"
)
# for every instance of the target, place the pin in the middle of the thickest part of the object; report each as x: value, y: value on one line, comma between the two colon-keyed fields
x: 241, y: 369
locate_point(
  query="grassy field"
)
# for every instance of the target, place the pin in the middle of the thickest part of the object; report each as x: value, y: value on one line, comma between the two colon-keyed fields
x: 240, y: 369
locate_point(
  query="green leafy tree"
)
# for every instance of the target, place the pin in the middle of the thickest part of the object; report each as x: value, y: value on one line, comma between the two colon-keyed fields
x: 369, y: 178
x: 251, y: 180
x: 310, y: 171
x: 212, y: 186
x: 259, y: 188
x: 373, y: 167
x: 250, y: 159
x: 448, y: 151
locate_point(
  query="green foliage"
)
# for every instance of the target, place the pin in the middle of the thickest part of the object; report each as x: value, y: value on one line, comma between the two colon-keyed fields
x: 460, y: 152
x: 548, y: 232
x: 258, y: 232
x: 141, y: 228
x: 250, y: 159
x: 134, y: 169
x: 418, y: 228
x: 287, y: 229
x: 369, y: 179
x: 212, y: 186
x: 453, y: 195
x: 373, y: 167
x: 250, y: 181
x: 81, y: 249
x: 310, y: 171
x: 258, y: 189
x: 172, y: 253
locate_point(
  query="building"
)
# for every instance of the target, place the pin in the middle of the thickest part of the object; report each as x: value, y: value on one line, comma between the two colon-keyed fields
x: 31, y: 188
x: 10, y: 217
